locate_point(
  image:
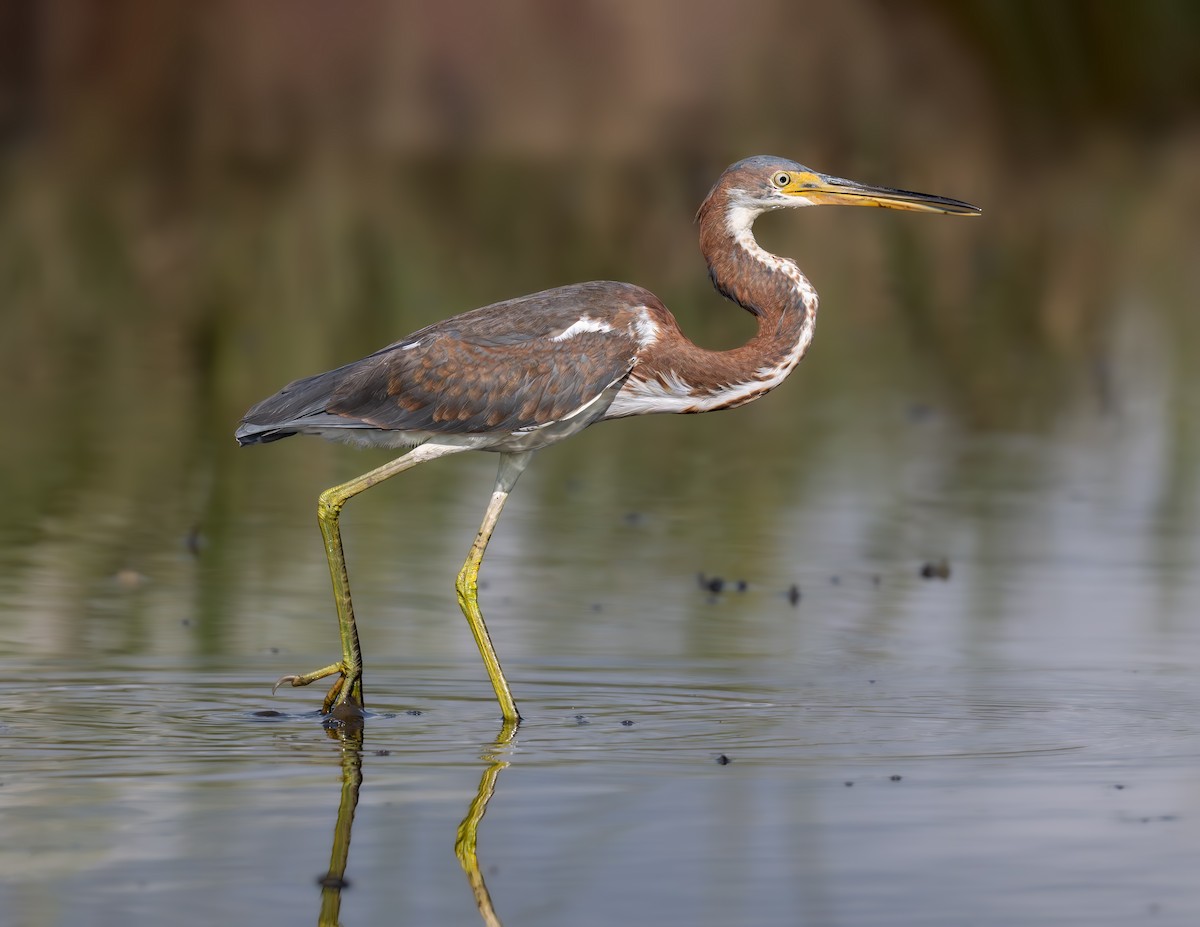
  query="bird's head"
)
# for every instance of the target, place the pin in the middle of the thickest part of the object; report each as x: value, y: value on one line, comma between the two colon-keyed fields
x: 762, y: 183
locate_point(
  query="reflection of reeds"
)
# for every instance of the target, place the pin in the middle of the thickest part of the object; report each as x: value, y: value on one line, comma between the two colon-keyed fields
x: 199, y: 182
x: 138, y: 326
x: 114, y: 300
x: 199, y: 202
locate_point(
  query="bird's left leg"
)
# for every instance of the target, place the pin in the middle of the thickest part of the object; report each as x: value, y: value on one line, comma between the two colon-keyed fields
x: 511, y: 467
x: 347, y: 688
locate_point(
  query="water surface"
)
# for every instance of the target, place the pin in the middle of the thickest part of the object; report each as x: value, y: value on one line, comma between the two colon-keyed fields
x: 832, y: 738
x: 1013, y: 743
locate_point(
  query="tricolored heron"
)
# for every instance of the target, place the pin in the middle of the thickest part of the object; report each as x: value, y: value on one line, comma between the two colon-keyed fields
x: 525, y: 373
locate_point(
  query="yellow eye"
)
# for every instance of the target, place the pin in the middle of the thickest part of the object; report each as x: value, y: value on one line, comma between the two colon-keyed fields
x: 782, y: 179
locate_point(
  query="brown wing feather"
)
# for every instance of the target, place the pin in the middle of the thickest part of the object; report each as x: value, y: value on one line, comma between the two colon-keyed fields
x: 498, y: 369
x: 448, y: 383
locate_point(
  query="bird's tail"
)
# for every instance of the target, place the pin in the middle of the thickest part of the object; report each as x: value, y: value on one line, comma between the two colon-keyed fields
x: 248, y: 433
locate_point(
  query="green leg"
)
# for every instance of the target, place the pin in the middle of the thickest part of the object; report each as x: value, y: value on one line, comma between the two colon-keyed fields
x: 511, y: 467
x: 347, y: 688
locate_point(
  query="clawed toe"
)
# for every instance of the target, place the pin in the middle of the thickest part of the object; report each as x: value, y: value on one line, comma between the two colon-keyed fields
x: 296, y: 681
x: 290, y: 680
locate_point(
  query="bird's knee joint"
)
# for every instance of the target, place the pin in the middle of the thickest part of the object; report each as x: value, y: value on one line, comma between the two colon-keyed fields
x: 329, y: 505
x: 467, y: 584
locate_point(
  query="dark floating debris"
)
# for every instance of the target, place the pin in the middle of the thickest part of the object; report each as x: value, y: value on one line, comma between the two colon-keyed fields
x: 717, y: 585
x: 849, y: 783
x: 723, y: 760
x: 793, y: 594
x: 1119, y: 786
x: 626, y: 723
x: 936, y: 569
x: 895, y: 777
x: 835, y: 580
x: 582, y: 719
x: 415, y: 712
x: 269, y: 713
x: 383, y: 752
x: 329, y: 880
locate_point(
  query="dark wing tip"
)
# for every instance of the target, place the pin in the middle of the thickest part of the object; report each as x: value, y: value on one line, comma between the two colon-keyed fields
x: 248, y: 434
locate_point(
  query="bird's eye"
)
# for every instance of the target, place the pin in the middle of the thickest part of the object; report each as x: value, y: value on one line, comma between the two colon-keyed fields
x: 782, y: 179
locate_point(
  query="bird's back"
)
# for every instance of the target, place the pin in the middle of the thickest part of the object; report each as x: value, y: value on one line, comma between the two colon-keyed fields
x: 526, y: 367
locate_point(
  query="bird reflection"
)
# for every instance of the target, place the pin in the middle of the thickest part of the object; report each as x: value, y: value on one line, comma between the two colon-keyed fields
x: 351, y: 738
x: 464, y: 845
x: 349, y: 735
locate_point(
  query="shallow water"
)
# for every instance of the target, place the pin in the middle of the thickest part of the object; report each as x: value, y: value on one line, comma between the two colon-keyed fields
x: 843, y: 741
x: 834, y: 791
x: 1016, y: 742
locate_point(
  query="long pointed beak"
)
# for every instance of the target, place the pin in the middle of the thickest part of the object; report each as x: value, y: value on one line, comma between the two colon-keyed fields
x: 837, y: 191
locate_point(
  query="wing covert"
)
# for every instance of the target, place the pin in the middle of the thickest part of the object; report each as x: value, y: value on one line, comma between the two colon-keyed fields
x: 445, y: 382
x: 513, y: 366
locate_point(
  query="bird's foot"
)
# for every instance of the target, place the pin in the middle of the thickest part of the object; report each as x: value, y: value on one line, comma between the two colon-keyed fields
x: 307, y: 678
x: 345, y: 695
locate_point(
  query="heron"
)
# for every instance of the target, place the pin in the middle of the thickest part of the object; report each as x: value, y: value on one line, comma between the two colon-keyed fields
x: 519, y: 375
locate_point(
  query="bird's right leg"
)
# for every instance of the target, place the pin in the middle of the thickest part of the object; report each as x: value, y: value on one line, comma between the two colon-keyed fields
x: 347, y: 688
x: 512, y: 465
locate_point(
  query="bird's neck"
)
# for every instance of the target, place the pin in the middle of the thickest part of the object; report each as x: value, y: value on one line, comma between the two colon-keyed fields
x: 675, y: 375
x: 770, y: 287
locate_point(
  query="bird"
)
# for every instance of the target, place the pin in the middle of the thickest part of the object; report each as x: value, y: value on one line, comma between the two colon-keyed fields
x: 520, y: 375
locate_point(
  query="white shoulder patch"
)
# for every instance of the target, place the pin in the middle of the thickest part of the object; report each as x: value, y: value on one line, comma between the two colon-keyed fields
x: 585, y: 324
x: 645, y: 328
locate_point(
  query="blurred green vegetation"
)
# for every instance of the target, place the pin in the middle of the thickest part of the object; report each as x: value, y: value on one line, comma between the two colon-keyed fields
x: 199, y: 202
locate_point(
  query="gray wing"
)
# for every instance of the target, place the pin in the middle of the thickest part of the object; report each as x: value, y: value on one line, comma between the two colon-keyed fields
x: 510, y: 367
